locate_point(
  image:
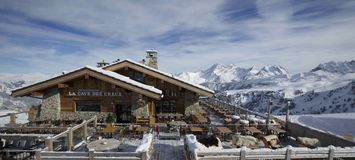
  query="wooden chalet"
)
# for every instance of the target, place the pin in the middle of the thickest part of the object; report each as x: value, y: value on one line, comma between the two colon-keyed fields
x: 125, y: 88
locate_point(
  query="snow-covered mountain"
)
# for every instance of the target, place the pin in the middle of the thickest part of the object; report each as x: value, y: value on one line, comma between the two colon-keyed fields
x: 8, y: 82
x: 220, y: 73
x: 254, y: 87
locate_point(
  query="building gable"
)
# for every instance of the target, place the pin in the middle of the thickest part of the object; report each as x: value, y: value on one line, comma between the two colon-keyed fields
x: 160, y: 75
x: 98, y: 73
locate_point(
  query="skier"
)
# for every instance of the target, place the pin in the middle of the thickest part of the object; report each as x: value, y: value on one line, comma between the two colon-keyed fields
x: 157, y: 130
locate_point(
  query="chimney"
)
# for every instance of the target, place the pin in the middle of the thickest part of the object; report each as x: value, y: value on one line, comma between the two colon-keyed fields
x: 102, y: 64
x: 152, y: 59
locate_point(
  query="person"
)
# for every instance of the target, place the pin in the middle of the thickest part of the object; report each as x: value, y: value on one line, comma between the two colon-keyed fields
x: 157, y: 130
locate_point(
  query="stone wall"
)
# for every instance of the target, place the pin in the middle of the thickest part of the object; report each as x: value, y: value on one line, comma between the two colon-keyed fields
x: 191, y: 103
x: 50, y: 108
x: 101, y: 116
x: 139, y: 106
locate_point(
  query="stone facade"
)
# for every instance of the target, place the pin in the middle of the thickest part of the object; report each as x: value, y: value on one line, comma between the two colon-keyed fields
x: 50, y: 108
x: 191, y: 103
x: 101, y: 116
x: 139, y: 106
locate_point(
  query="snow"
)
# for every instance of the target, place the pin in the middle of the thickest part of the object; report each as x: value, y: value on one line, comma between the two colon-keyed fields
x: 20, y: 118
x: 194, y: 145
x: 113, y: 75
x: 243, y: 121
x: 165, y: 74
x: 125, y: 79
x: 338, y: 124
x: 145, y: 143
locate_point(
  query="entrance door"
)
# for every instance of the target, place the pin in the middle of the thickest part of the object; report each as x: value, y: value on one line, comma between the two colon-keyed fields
x: 123, y: 113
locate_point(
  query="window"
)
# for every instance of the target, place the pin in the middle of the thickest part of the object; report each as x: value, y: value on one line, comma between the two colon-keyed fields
x: 166, y: 106
x: 138, y: 76
x: 88, y: 106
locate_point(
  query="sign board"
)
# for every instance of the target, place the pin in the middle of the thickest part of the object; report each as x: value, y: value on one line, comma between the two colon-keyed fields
x: 94, y: 92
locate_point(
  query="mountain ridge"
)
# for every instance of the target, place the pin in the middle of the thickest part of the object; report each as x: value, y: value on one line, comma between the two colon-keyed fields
x: 276, y: 81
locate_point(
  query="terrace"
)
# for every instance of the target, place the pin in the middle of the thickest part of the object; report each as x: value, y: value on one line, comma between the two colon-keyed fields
x: 215, y: 130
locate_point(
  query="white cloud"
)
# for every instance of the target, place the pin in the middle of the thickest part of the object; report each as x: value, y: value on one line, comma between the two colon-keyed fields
x: 275, y: 37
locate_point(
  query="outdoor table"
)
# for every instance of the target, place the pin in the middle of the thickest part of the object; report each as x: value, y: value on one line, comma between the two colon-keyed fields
x: 227, y: 120
x: 142, y: 129
x: 177, y: 123
x: 253, y: 130
x: 200, y: 119
x: 224, y: 130
x: 104, y: 144
x: 278, y: 131
x: 197, y: 130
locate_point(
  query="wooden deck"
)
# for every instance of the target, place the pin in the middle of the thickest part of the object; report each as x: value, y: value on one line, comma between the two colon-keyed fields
x: 168, y: 149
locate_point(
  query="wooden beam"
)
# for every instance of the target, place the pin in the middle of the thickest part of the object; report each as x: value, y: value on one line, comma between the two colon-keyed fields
x: 62, y: 85
x: 37, y: 94
x: 87, y: 76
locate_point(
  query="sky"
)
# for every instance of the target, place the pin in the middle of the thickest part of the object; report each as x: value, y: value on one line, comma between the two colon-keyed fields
x: 52, y: 36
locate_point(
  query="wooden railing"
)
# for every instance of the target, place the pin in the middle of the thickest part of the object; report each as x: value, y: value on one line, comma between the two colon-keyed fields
x: 223, y: 104
x: 17, y: 154
x: 69, y: 134
x: 45, y: 154
x: 91, y: 155
x: 284, y: 153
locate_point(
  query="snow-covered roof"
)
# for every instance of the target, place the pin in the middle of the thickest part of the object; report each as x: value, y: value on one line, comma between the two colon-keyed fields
x: 162, y: 73
x: 111, y: 74
x: 125, y: 79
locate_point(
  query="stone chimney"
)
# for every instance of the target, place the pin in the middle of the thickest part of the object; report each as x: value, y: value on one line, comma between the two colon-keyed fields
x: 152, y: 59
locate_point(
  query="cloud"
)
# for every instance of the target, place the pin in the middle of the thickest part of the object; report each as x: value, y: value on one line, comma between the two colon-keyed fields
x: 61, y: 35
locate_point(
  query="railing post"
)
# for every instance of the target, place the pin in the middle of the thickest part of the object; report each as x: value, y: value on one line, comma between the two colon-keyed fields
x: 288, y: 152
x: 38, y: 154
x: 49, y: 143
x: 85, y: 130
x: 331, y: 152
x: 70, y: 139
x: 95, y: 121
x: 242, y: 153
x: 91, y: 154
x: 144, y: 156
x: 12, y: 119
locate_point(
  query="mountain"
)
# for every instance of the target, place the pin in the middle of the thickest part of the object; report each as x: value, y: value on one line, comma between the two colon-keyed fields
x: 311, y: 92
x: 336, y: 67
x: 9, y: 82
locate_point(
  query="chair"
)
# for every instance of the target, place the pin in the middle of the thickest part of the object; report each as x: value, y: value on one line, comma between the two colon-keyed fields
x: 8, y: 143
x: 22, y: 144
x: 28, y: 145
x: 166, y: 117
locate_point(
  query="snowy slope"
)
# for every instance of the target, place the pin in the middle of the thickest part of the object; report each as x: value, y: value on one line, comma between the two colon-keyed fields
x: 324, y: 86
x: 8, y: 82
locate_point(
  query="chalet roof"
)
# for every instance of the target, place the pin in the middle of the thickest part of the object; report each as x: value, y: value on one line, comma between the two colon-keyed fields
x: 197, y: 88
x: 98, y: 73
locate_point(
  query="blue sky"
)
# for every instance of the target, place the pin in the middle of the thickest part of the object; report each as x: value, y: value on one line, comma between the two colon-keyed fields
x: 51, y: 36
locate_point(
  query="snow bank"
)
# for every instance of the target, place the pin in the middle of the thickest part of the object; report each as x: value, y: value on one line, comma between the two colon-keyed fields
x: 145, y: 143
x: 194, y: 145
x: 258, y: 120
x: 243, y: 121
